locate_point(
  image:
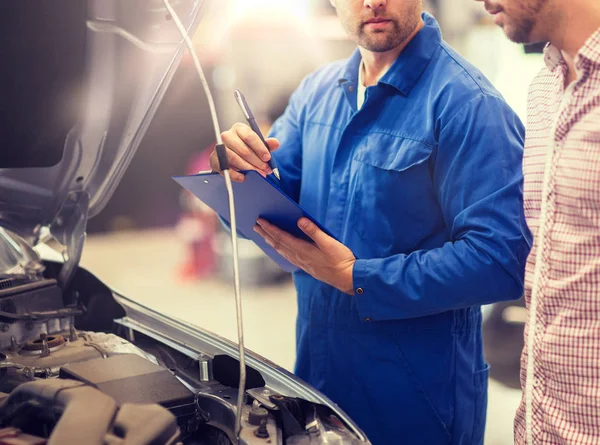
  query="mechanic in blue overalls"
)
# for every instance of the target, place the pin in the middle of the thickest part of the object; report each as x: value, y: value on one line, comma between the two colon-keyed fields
x: 412, y: 159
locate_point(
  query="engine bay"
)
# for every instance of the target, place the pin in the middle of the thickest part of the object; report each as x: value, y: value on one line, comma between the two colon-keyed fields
x: 70, y: 373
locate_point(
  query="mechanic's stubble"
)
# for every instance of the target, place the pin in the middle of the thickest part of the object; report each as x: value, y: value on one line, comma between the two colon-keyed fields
x: 381, y: 28
x: 403, y: 17
x: 523, y: 21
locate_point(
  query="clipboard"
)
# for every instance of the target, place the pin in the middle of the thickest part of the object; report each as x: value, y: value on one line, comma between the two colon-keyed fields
x: 255, y: 198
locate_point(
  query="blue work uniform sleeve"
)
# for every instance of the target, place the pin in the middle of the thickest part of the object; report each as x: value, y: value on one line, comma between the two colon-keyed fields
x: 288, y: 131
x: 478, y: 179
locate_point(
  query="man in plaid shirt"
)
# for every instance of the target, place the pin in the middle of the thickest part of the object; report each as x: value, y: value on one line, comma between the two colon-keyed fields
x: 560, y: 366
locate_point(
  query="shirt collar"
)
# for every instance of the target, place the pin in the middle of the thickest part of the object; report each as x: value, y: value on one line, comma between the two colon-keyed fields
x: 588, y: 55
x: 553, y: 58
x: 408, y: 68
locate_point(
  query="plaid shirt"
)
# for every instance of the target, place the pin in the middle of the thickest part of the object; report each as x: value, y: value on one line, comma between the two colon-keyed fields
x: 560, y: 365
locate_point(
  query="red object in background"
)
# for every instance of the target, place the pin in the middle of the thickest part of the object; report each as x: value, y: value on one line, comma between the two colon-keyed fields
x: 197, y: 226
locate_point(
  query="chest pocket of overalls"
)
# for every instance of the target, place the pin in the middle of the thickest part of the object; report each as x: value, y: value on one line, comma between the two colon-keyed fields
x: 391, y: 192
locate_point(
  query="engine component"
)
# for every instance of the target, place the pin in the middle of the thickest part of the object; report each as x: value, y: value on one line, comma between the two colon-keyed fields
x: 291, y: 413
x: 261, y: 432
x: 143, y: 424
x: 205, y: 363
x: 257, y: 415
x: 22, y: 296
x: 45, y: 344
x: 266, y: 432
x: 44, y: 356
x: 219, y: 402
x: 132, y: 379
x: 322, y: 427
x: 261, y: 395
x: 77, y: 413
x: 30, y: 307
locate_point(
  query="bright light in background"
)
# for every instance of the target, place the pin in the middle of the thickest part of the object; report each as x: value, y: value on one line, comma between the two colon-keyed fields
x: 228, y: 22
x: 224, y: 18
x: 242, y: 9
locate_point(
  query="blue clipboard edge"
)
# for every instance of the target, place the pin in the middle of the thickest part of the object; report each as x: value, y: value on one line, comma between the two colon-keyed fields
x: 266, y: 248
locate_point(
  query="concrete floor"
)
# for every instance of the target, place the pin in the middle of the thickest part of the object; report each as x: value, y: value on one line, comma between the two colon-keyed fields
x: 144, y: 266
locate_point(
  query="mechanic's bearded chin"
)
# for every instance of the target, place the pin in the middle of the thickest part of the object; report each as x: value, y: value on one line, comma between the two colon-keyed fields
x: 379, y: 41
x: 375, y: 42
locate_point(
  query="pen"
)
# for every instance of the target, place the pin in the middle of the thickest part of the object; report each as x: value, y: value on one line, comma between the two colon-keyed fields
x: 241, y: 100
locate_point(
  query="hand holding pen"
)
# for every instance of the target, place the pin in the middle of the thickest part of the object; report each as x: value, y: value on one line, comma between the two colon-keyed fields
x: 241, y: 100
x: 247, y: 149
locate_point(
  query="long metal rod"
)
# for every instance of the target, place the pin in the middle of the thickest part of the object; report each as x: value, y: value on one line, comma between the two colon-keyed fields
x: 234, y: 241
x: 238, y: 301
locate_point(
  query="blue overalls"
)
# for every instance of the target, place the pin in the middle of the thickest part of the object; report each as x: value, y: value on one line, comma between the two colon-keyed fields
x: 424, y: 184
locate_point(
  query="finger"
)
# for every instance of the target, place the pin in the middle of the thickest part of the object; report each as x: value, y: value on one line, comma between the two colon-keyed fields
x: 239, y: 164
x: 235, y: 143
x: 272, y: 143
x: 269, y: 231
x: 282, y: 237
x: 251, y: 139
x: 235, y: 175
x: 280, y: 248
x: 258, y: 229
x: 320, y: 238
x: 268, y: 238
x: 291, y: 257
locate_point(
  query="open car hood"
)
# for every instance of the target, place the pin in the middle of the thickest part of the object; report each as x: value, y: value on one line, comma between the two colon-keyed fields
x: 80, y: 83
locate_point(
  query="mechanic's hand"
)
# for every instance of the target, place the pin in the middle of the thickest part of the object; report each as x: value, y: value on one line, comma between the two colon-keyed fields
x: 245, y: 151
x: 327, y: 260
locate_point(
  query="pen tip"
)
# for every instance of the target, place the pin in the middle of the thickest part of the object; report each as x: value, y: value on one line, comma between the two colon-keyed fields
x: 276, y: 173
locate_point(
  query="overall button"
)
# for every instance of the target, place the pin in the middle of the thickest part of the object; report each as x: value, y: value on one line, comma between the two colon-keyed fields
x: 367, y: 318
x: 360, y: 291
